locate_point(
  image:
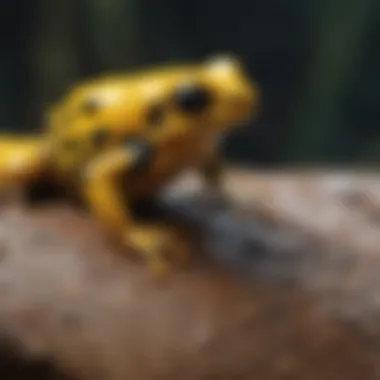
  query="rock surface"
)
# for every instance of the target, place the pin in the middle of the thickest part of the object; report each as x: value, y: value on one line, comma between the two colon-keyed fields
x: 286, y: 286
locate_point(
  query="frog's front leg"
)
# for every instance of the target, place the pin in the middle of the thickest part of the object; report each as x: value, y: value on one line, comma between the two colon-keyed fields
x: 211, y: 169
x: 159, y: 244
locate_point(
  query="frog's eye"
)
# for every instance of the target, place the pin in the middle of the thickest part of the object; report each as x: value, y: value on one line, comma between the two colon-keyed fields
x: 192, y: 98
x: 91, y: 106
x: 100, y: 137
x: 155, y: 115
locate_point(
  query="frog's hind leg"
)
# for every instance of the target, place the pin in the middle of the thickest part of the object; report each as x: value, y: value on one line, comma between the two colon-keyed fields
x: 21, y: 161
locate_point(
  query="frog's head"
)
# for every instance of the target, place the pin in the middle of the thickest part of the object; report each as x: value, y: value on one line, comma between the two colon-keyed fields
x: 218, y: 94
x: 207, y: 98
x: 165, y: 104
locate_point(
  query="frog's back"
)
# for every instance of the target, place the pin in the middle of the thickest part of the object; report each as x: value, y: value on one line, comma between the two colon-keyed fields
x: 129, y: 80
x: 121, y: 96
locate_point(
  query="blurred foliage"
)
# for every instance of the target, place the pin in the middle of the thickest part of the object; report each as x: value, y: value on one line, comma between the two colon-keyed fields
x: 316, y: 61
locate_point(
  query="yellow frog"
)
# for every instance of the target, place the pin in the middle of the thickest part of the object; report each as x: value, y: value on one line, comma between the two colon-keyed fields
x: 118, y: 139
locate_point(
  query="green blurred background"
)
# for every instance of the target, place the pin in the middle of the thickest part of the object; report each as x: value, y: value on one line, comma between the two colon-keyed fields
x: 318, y: 63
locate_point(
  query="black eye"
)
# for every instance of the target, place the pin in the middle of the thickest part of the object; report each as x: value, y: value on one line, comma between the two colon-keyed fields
x: 155, y: 115
x: 192, y: 98
x: 100, y: 137
x: 91, y: 106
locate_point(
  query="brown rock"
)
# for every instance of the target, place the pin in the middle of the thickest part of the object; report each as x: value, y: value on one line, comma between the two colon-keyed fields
x: 288, y: 288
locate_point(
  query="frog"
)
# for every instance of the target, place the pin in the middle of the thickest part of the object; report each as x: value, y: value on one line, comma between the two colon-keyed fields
x: 117, y: 139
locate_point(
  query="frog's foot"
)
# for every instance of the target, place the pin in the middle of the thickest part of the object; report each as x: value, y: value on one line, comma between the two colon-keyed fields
x: 161, y: 247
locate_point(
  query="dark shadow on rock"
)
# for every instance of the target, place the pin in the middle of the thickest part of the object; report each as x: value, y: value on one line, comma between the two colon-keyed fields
x: 15, y: 366
x: 250, y: 243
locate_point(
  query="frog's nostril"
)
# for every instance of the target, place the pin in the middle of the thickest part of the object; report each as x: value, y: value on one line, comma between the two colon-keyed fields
x: 192, y: 98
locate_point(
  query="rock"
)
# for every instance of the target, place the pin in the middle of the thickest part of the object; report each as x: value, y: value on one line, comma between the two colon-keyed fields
x: 284, y: 284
